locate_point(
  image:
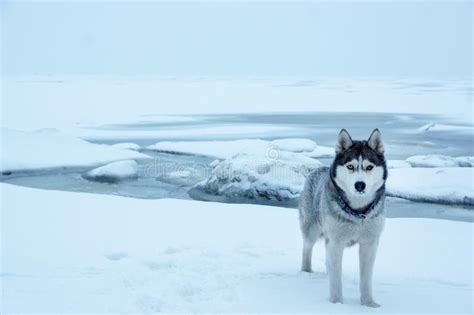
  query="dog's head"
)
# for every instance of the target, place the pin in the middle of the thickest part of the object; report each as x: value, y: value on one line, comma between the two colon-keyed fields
x: 359, y: 167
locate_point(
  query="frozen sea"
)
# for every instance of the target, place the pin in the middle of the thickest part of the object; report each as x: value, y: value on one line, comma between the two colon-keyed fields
x: 135, y: 256
x: 402, y: 136
x: 400, y: 131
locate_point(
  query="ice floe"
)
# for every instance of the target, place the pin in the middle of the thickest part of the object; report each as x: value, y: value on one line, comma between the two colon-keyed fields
x: 397, y: 164
x: 282, y: 179
x: 227, y: 149
x: 451, y: 185
x: 251, y: 176
x: 48, y: 148
x: 114, y: 172
x: 437, y: 160
x: 198, y: 132
x: 435, y: 127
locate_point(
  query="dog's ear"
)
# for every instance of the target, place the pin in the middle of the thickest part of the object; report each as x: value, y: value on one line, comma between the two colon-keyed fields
x: 344, y: 141
x: 375, y: 141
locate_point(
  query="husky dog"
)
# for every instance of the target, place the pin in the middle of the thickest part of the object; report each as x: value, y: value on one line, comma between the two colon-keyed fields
x: 345, y: 204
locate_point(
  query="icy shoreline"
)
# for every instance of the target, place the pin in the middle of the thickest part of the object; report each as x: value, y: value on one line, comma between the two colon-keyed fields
x: 281, y: 179
x: 247, y: 170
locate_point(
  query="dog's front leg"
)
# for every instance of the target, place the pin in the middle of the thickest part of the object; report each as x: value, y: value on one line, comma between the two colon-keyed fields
x: 367, y: 253
x: 334, y: 252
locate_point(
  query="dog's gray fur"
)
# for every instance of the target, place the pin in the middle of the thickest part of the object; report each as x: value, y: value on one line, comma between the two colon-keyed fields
x: 322, y: 216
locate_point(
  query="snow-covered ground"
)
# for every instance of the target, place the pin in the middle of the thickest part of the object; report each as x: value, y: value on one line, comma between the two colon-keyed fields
x: 397, y: 164
x: 185, y: 132
x: 74, y: 252
x: 96, y: 99
x: 227, y: 149
x: 49, y: 148
x: 188, y: 256
x: 437, y: 160
x: 442, y: 184
x: 436, y: 127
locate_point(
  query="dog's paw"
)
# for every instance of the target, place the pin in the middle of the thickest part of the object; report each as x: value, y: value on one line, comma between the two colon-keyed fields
x: 370, y: 303
x: 335, y: 300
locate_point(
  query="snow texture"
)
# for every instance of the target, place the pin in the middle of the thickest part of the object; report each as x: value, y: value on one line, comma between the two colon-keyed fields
x: 435, y: 127
x: 249, y: 176
x: 185, y: 176
x: 450, y: 185
x: 294, y: 145
x: 397, y: 164
x: 186, y: 132
x: 49, y: 148
x: 167, y: 119
x: 127, y: 146
x: 321, y: 152
x: 227, y: 149
x: 121, y: 255
x: 282, y: 179
x: 436, y: 160
x: 114, y: 172
x: 136, y: 97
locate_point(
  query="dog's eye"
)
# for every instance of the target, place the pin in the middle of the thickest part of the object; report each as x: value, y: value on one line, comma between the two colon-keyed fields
x: 370, y: 167
x: 350, y: 167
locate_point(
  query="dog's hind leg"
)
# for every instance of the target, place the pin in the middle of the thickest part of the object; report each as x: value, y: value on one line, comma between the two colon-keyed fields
x: 311, y: 234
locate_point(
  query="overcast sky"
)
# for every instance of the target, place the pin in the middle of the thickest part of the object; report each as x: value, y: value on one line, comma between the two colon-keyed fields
x: 414, y: 39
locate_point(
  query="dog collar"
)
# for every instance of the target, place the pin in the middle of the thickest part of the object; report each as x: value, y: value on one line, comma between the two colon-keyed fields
x: 344, y: 205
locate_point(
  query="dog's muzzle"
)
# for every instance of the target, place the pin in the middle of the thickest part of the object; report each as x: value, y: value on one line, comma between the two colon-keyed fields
x: 359, y: 186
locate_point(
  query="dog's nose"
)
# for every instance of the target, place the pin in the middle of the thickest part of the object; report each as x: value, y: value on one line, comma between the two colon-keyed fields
x: 359, y: 186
